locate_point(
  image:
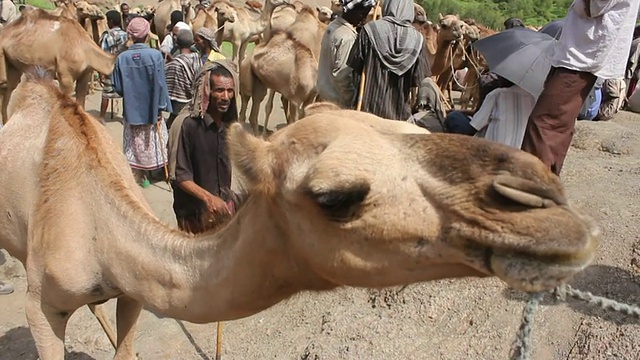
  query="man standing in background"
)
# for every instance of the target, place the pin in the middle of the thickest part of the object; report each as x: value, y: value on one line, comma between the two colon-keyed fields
x: 335, y: 78
x: 595, y: 42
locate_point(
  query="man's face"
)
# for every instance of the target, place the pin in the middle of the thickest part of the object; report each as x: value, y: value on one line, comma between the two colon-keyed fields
x: 222, y: 92
x: 200, y: 42
x: 174, y: 33
x: 125, y: 10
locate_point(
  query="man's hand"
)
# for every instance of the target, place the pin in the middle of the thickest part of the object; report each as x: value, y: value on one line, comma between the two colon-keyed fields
x: 215, y: 204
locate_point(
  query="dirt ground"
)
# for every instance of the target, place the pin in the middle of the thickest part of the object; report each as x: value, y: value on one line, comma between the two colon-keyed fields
x: 457, y: 319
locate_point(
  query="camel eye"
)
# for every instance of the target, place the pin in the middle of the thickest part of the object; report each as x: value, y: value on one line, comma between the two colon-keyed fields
x: 340, y: 204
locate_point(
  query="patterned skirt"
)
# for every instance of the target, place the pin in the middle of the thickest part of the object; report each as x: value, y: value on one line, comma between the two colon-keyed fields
x: 144, y: 149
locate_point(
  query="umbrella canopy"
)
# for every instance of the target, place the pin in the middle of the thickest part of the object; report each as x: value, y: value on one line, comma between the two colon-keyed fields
x: 519, y: 55
x: 553, y: 28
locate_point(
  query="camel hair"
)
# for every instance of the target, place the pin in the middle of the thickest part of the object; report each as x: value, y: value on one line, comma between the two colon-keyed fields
x: 56, y: 43
x: 339, y: 198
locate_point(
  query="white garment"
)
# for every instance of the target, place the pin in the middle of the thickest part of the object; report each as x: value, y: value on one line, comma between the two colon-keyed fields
x: 598, y: 44
x: 167, y: 44
x: 503, y: 115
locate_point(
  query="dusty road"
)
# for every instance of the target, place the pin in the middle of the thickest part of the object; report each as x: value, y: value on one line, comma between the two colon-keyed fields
x: 457, y: 319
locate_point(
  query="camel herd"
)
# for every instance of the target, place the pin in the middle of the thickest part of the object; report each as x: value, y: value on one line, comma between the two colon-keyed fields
x: 285, y: 61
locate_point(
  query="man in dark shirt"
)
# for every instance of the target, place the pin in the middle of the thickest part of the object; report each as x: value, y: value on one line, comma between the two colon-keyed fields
x: 202, y: 181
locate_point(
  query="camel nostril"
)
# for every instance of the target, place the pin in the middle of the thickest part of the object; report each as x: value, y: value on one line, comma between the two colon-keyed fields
x: 527, y: 192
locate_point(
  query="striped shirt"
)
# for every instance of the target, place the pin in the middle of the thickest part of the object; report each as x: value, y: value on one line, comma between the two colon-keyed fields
x: 181, y: 72
x: 503, y: 115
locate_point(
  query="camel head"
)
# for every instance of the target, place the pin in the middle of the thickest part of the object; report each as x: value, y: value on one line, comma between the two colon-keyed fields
x: 324, y: 14
x: 451, y: 27
x: 336, y: 8
x: 224, y: 12
x: 420, y: 15
x: 88, y: 11
x: 370, y: 202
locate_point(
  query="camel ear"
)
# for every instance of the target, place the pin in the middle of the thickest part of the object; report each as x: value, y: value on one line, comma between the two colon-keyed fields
x: 251, y: 159
x: 440, y: 17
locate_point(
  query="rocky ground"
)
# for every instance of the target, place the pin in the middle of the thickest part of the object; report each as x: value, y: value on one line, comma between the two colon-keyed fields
x: 457, y: 319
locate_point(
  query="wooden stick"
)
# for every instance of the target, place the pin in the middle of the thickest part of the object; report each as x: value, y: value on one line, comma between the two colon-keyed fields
x: 363, y: 77
x: 219, y: 341
x: 164, y: 159
x: 102, y: 319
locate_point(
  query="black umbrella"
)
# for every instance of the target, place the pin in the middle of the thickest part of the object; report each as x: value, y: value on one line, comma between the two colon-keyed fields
x: 553, y: 28
x: 519, y: 55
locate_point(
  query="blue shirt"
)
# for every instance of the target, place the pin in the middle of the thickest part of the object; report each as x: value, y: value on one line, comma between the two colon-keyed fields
x: 139, y: 78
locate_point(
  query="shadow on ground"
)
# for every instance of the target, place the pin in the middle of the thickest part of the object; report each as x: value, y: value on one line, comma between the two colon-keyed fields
x: 601, y: 280
x: 18, y: 343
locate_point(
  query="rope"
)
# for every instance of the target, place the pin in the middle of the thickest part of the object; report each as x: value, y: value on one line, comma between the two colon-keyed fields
x: 524, y: 339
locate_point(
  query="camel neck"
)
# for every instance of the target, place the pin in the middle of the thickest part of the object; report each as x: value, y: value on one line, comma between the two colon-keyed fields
x: 236, y: 272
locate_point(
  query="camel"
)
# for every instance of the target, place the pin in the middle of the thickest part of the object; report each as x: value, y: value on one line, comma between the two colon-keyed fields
x: 248, y: 26
x: 163, y: 12
x: 475, y: 63
x: 213, y: 18
x: 288, y: 64
x: 35, y: 40
x: 352, y: 200
x: 324, y: 14
x: 90, y: 17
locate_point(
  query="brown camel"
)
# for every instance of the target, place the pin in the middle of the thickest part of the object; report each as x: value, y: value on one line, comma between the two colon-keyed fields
x: 213, y: 18
x: 163, y: 12
x: 351, y: 199
x: 90, y: 17
x: 288, y: 64
x: 36, y: 39
x: 475, y: 63
x: 249, y: 25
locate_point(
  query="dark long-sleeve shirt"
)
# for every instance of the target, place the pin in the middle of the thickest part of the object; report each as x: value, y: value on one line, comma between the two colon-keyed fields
x: 202, y: 158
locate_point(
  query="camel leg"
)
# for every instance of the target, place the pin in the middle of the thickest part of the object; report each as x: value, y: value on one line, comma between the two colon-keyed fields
x: 13, y: 79
x: 243, y: 108
x: 268, y: 108
x: 236, y: 51
x: 285, y: 108
x: 242, y: 51
x: 47, y: 327
x: 259, y: 91
x: 293, y: 112
x: 127, y: 313
x: 104, y: 322
x: 82, y: 86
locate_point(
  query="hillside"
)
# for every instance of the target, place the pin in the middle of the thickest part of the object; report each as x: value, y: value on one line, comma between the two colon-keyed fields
x: 493, y: 13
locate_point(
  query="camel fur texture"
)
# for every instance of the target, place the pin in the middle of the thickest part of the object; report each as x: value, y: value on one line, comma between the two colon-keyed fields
x: 340, y: 198
x: 37, y: 39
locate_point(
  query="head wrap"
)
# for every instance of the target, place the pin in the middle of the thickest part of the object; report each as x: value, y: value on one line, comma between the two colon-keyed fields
x: 138, y: 28
x: 513, y: 22
x: 181, y: 25
x: 351, y: 4
x: 210, y: 36
x: 396, y: 42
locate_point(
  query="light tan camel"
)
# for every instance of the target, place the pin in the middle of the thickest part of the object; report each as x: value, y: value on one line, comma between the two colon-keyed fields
x: 37, y: 39
x: 90, y: 17
x: 247, y: 28
x: 288, y: 64
x: 341, y: 198
x: 324, y: 14
x: 164, y: 9
x: 213, y: 18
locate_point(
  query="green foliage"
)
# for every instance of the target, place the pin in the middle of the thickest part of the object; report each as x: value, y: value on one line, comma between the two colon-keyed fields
x: 42, y: 4
x: 493, y: 13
